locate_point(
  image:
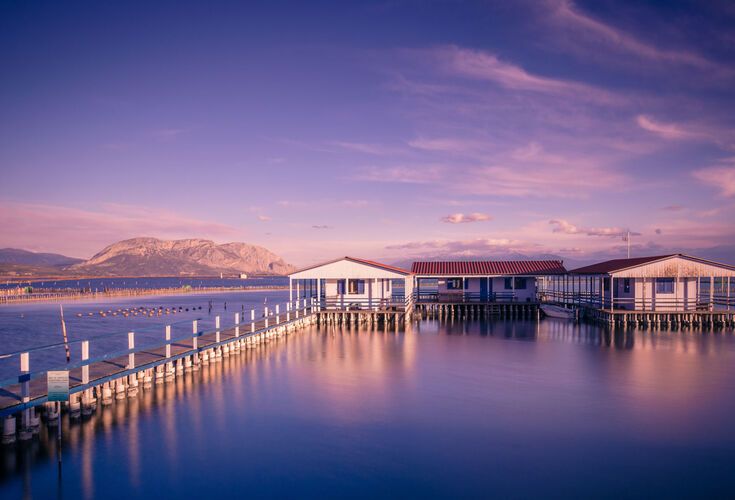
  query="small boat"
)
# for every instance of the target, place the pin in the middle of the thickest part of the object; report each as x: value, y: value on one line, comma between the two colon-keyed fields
x: 558, y: 312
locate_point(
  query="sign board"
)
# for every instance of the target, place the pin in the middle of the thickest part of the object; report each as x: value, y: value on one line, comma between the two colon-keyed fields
x: 58, y: 385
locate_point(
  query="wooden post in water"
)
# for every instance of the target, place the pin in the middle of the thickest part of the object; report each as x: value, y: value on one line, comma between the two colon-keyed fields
x: 131, y: 354
x: 252, y: 320
x: 168, y: 341
x: 237, y: 325
x: 25, y: 389
x: 278, y: 315
x: 216, y: 326
x: 265, y: 315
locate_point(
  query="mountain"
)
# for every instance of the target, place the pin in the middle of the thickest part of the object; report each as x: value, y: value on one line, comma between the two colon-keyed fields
x: 19, y: 257
x: 154, y: 257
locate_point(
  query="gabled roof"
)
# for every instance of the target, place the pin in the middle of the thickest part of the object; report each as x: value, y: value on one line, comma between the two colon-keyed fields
x: 359, y: 261
x: 616, y: 265
x: 489, y: 268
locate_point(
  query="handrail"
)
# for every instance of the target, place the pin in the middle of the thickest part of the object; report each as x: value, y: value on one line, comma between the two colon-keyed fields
x: 288, y: 314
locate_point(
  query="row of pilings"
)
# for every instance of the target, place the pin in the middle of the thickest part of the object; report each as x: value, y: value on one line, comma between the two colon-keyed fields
x: 510, y: 310
x: 24, y: 424
x: 362, y: 318
x: 708, y: 320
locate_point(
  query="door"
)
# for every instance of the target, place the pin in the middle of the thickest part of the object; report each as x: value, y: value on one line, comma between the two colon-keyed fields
x: 485, y: 289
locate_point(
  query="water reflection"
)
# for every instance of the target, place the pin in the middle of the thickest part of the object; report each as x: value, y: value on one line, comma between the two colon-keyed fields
x: 362, y: 408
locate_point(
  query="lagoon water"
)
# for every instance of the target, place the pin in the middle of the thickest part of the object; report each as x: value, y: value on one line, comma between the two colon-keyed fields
x: 512, y: 409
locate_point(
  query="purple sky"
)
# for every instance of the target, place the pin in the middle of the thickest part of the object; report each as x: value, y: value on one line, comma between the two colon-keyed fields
x: 386, y: 130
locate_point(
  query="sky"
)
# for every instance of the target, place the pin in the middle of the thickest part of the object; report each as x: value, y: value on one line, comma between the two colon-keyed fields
x: 389, y: 130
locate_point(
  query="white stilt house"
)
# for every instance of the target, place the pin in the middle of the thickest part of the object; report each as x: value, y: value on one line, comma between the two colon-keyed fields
x: 664, y: 283
x: 349, y: 283
x: 482, y: 281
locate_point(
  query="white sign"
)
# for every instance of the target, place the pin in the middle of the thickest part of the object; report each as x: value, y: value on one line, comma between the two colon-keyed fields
x: 58, y: 385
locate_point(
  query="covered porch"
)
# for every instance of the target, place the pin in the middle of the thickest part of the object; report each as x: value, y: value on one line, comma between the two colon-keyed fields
x: 351, y: 284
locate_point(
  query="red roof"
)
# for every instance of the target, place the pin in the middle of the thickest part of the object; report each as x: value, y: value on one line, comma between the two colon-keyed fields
x: 489, y: 268
x: 611, y: 266
x: 615, y: 265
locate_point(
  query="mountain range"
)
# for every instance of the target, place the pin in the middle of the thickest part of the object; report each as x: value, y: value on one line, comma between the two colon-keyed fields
x: 151, y: 257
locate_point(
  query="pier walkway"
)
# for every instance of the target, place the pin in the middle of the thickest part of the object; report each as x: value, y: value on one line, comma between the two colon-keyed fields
x: 120, y: 374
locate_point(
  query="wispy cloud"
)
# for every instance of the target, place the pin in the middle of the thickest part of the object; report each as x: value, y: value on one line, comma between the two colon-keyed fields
x: 460, y: 218
x: 321, y: 226
x: 566, y: 227
x: 673, y: 208
x: 481, y: 65
x: 665, y: 130
x: 264, y: 218
x: 467, y: 248
x: 597, y: 33
x: 720, y: 176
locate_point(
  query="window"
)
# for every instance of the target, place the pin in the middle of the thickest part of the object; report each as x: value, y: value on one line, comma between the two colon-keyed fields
x: 664, y: 285
x: 454, y: 283
x: 626, y: 285
x: 340, y: 287
x: 356, y: 287
x: 520, y: 284
x: 606, y: 284
x: 720, y: 286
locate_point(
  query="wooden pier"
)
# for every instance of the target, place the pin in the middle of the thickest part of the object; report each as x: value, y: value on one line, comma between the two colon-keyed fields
x: 123, y: 375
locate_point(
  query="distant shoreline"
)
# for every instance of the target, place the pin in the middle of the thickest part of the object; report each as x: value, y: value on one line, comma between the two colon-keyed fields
x: 64, y: 295
x: 28, y: 279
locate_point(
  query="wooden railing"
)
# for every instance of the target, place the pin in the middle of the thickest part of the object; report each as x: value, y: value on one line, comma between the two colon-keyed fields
x: 465, y: 297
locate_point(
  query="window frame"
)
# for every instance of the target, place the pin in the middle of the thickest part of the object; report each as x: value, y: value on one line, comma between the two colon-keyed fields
x: 665, y: 286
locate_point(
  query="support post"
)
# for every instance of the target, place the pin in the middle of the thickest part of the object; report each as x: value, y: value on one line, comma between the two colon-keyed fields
x: 252, y: 320
x: 265, y: 315
x: 131, y: 346
x: 237, y: 325
x: 85, y: 357
x: 194, y: 336
x: 278, y: 313
x: 319, y: 293
x: 168, y: 341
x: 290, y: 289
x: 216, y: 328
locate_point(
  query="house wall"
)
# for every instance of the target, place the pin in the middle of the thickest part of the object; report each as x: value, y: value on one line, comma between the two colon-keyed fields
x: 381, y: 289
x: 497, y: 286
x: 683, y: 298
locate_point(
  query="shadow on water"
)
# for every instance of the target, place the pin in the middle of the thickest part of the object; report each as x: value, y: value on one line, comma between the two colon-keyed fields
x: 365, y: 412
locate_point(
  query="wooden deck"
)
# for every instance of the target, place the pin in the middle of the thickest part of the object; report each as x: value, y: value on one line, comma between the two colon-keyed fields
x: 104, y: 370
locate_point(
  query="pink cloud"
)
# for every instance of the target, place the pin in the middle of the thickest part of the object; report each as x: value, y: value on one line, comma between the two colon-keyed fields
x: 596, y: 32
x: 666, y: 130
x: 721, y: 176
x: 566, y: 227
x: 460, y: 218
x: 480, y: 65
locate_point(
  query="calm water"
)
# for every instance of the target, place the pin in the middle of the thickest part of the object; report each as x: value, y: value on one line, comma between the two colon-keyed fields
x: 478, y: 409
x: 27, y: 326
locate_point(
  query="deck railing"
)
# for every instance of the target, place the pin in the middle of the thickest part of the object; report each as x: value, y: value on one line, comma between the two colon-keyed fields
x: 26, y: 387
x: 702, y: 302
x: 423, y: 297
x: 346, y: 303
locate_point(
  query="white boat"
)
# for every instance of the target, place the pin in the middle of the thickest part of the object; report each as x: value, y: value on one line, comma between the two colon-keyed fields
x: 558, y: 312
